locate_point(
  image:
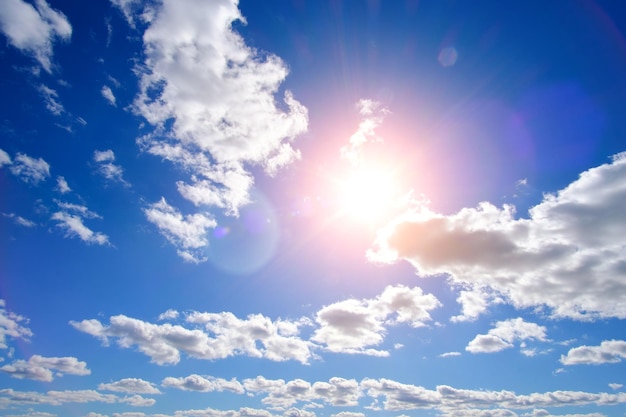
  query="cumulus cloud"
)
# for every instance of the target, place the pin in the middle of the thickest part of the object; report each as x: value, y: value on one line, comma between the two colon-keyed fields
x: 609, y: 351
x: 168, y: 315
x: 34, y: 29
x: 351, y: 326
x: 105, y: 166
x: 11, y: 325
x: 130, y: 386
x: 199, y: 383
x: 567, y: 256
x: 215, y: 336
x: 504, y: 334
x: 40, y: 368
x: 210, y: 101
x: 107, y: 93
x: 188, y: 233
x: 28, y: 169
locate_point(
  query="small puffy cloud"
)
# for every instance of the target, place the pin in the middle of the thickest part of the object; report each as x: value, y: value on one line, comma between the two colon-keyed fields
x: 62, y: 185
x: 567, y: 256
x: 107, y: 93
x: 34, y: 29
x: 609, y: 351
x: 188, y: 233
x: 40, y: 368
x: 130, y: 386
x: 351, y: 326
x: 105, y: 166
x: 26, y: 168
x: 202, y: 384
x: 616, y: 386
x: 11, y: 325
x: 504, y: 334
x: 168, y: 315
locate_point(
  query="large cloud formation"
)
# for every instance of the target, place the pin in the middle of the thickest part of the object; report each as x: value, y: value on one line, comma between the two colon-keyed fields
x: 567, y: 256
x: 210, y: 102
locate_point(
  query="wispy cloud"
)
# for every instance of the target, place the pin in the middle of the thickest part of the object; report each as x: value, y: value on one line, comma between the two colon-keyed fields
x: 62, y: 185
x: 71, y: 219
x: 26, y: 168
x: 107, y: 93
x: 20, y: 220
x: 51, y: 99
x: 34, y: 29
x: 107, y: 168
x: 12, y: 325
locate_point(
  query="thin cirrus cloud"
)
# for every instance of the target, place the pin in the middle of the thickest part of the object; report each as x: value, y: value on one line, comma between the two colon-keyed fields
x: 351, y: 326
x: 219, y: 95
x: 107, y: 93
x: 567, y: 256
x: 34, y: 29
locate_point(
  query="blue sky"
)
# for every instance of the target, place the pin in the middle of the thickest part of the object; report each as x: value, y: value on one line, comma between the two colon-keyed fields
x: 312, y: 208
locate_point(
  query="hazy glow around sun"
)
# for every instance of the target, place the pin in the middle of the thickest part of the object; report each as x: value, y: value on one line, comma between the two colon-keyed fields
x: 367, y: 193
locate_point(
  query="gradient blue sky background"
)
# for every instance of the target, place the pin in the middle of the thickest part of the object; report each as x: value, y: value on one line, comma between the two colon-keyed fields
x: 312, y: 208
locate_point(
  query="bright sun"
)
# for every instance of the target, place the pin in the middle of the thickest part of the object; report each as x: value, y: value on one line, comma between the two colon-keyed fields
x: 367, y: 193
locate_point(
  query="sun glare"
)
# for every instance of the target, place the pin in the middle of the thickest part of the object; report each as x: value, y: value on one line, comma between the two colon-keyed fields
x: 367, y: 193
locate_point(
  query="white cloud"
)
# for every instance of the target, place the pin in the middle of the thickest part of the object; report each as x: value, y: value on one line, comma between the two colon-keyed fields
x: 51, y: 99
x: 373, y: 115
x: 609, y: 351
x: 20, y: 220
x: 504, y: 334
x: 449, y: 354
x: 130, y: 386
x: 33, y: 414
x: 106, y: 167
x: 28, y: 169
x: 210, y: 101
x: 34, y: 29
x: 40, y: 368
x: 202, y: 384
x: 5, y: 159
x: 107, y: 93
x: 568, y: 256
x: 616, y: 386
x: 168, y: 315
x: 350, y: 326
x: 62, y: 185
x: 225, y: 336
x: 188, y: 233
x: 74, y: 227
x: 10, y: 325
